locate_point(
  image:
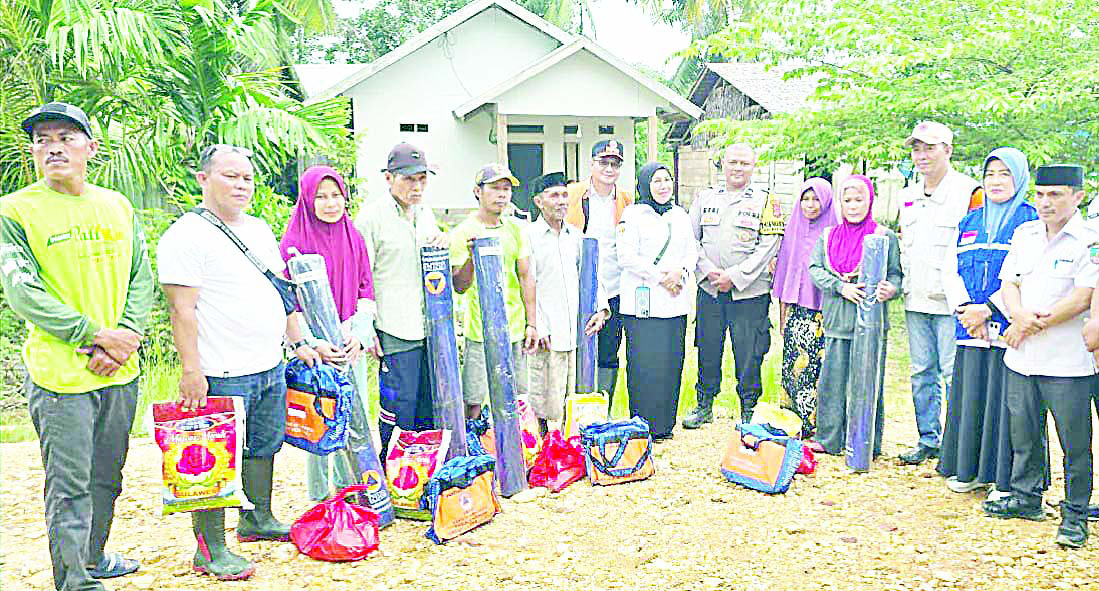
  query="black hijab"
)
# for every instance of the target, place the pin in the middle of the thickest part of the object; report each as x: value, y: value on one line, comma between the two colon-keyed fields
x: 644, y: 179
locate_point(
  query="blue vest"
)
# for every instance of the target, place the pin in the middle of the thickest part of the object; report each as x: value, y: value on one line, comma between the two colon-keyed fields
x: 980, y: 259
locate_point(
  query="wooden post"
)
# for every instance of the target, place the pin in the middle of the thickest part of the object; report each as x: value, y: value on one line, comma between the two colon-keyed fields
x: 585, y: 346
x: 442, y: 350
x: 867, y: 359
x: 511, y: 468
x: 653, y: 130
x: 502, y: 138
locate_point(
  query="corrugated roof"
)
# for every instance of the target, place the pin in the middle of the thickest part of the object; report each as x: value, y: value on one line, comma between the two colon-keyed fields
x: 766, y: 87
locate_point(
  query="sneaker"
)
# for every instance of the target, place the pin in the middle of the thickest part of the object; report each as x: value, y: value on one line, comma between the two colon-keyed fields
x: 996, y: 495
x: 1013, y: 507
x: 917, y: 455
x: 959, y: 486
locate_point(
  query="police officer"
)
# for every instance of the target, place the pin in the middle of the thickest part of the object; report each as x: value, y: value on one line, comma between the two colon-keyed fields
x: 1048, y: 280
x: 740, y: 229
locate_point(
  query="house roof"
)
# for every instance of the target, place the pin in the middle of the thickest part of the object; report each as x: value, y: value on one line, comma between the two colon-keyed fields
x: 765, y: 87
x: 555, y: 57
x: 427, y: 35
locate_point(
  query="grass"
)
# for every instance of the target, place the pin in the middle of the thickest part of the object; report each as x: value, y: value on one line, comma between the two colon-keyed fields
x: 160, y: 382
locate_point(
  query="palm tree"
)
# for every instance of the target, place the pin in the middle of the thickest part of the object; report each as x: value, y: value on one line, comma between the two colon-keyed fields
x: 162, y: 78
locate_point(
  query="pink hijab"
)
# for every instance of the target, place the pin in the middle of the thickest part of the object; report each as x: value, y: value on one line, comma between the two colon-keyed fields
x: 792, y: 283
x: 845, y: 240
x: 341, y: 245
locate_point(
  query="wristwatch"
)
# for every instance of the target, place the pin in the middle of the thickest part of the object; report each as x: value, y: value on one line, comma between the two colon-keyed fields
x: 298, y: 343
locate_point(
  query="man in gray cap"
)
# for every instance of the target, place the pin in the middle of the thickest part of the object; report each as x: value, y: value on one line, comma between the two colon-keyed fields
x: 1048, y: 280
x: 395, y: 226
x: 932, y: 208
x: 75, y: 268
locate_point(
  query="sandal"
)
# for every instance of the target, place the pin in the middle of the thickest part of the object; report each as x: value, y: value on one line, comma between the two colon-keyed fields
x: 113, y: 565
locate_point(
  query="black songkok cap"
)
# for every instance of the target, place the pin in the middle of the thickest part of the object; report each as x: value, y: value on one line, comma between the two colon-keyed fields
x: 553, y: 179
x: 1056, y: 175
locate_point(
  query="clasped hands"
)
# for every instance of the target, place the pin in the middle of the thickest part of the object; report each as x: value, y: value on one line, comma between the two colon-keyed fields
x: 856, y: 292
x: 110, y: 350
x: 1025, y: 323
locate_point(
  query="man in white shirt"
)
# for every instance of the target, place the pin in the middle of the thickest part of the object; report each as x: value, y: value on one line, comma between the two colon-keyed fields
x: 1048, y: 280
x: 931, y: 210
x: 595, y: 208
x: 228, y: 321
x: 555, y: 250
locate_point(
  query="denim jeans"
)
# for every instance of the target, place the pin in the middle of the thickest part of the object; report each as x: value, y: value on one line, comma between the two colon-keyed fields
x: 264, y: 395
x: 931, y: 348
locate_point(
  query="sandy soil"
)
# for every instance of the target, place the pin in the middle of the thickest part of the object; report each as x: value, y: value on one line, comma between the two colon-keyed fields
x: 686, y: 528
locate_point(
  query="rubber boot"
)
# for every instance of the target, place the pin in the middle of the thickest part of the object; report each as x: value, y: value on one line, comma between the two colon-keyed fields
x: 606, y: 380
x: 212, y: 557
x: 259, y: 523
x: 701, y: 414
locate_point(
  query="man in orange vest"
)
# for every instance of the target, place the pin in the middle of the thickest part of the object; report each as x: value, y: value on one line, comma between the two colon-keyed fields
x: 595, y: 208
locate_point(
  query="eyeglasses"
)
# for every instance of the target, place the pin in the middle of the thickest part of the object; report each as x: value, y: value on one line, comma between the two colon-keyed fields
x: 614, y: 163
x: 210, y: 151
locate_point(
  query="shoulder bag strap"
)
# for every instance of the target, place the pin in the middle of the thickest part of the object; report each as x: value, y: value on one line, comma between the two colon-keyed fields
x: 664, y: 249
x: 209, y: 216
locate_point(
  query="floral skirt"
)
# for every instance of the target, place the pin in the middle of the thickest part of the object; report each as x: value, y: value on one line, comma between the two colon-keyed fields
x: 802, y: 349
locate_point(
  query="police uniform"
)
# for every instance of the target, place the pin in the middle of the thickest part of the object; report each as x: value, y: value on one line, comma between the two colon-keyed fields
x: 1051, y: 369
x: 739, y: 233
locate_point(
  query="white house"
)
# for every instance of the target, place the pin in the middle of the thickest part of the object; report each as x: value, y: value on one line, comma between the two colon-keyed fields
x: 494, y: 82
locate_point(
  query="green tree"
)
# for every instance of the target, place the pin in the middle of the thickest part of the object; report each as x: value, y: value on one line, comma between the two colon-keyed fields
x: 161, y: 79
x: 998, y: 72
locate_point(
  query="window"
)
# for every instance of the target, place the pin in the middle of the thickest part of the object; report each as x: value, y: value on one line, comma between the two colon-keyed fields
x: 408, y: 127
x: 572, y: 129
x: 526, y: 129
x: 414, y: 127
x: 421, y: 127
x: 606, y: 129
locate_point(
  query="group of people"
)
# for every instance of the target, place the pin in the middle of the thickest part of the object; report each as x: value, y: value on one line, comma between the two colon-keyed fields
x: 996, y: 290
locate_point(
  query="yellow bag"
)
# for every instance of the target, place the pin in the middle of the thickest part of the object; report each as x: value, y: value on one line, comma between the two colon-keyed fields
x: 784, y: 419
x: 582, y: 410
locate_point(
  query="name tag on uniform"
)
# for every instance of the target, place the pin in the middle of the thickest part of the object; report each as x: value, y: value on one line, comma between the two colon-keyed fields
x: 748, y: 220
x: 1093, y: 253
x: 711, y: 216
x: 967, y: 238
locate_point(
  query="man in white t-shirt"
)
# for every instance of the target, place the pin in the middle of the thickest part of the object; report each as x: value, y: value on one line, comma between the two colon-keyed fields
x: 228, y: 321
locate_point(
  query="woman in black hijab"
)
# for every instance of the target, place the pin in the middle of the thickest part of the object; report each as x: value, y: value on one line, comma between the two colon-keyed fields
x: 657, y: 252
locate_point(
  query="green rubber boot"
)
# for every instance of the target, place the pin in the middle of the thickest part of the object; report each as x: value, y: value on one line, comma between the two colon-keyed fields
x: 259, y: 523
x: 701, y: 414
x: 212, y: 557
x: 606, y: 380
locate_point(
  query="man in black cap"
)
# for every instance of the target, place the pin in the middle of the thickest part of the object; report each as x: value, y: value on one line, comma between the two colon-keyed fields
x: 555, y: 250
x: 1048, y: 281
x: 595, y: 208
x: 75, y: 267
x: 395, y: 227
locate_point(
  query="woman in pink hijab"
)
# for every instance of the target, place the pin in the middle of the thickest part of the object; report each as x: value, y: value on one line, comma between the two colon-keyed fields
x: 320, y: 225
x: 799, y: 300
x: 834, y: 269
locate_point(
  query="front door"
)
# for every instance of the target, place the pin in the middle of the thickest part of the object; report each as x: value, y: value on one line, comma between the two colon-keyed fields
x: 525, y: 162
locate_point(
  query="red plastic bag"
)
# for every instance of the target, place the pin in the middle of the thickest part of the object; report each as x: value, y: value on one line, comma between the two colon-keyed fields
x: 336, y: 530
x: 559, y: 463
x: 808, y: 463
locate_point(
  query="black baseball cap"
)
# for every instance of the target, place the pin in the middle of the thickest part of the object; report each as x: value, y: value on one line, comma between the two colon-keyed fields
x: 58, y: 112
x: 407, y: 159
x: 607, y: 148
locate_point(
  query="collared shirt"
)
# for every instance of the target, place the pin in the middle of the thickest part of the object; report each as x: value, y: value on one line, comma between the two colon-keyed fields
x: 1046, y: 271
x: 556, y: 257
x: 928, y: 225
x: 393, y: 240
x: 642, y: 234
x: 601, y: 211
x: 734, y: 238
x: 513, y: 248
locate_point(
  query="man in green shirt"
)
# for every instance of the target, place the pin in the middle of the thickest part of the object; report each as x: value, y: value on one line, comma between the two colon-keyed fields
x: 75, y: 267
x: 492, y: 188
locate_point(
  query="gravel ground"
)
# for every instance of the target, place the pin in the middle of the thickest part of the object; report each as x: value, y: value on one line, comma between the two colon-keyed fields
x: 686, y: 528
